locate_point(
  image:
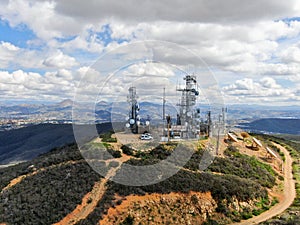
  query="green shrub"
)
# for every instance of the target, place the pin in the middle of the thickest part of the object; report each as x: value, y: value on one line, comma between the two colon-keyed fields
x: 246, y: 215
x: 127, y: 150
x: 128, y: 221
x: 115, y: 153
x: 257, y: 212
x: 111, y: 140
x: 106, y: 137
x: 244, y: 166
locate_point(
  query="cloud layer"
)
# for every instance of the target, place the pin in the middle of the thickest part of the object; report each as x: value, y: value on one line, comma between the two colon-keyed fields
x: 252, y: 47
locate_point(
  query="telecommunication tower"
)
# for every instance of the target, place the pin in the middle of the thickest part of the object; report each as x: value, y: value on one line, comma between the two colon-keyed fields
x: 188, y: 100
x: 134, y: 110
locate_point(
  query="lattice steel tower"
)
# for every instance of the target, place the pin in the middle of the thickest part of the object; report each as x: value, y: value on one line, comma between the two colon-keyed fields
x: 134, y: 110
x: 188, y: 101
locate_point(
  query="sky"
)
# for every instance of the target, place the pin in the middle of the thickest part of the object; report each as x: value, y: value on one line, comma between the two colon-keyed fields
x: 252, y: 48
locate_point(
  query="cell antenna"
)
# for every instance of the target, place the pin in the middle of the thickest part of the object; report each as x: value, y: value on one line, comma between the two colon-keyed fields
x: 164, y: 104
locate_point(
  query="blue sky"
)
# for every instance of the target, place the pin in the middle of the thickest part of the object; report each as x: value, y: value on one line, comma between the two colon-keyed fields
x: 18, y: 35
x: 47, y: 47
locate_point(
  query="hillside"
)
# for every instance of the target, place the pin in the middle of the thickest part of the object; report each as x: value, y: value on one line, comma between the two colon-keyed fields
x: 29, y: 142
x: 60, y: 185
x: 291, y: 216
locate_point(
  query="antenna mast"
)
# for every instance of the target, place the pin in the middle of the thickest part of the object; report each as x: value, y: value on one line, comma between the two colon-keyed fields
x: 164, y: 104
x: 134, y: 110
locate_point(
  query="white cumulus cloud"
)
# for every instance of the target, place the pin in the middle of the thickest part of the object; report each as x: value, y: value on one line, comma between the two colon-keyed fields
x: 60, y: 60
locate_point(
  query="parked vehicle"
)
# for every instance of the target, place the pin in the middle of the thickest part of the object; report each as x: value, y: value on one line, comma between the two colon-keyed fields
x: 146, y: 136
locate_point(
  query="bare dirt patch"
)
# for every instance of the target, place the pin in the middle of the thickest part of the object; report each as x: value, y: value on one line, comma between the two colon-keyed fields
x: 173, y: 208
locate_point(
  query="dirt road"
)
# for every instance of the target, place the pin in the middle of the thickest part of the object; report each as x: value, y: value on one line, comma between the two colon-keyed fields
x: 91, y: 199
x: 289, y: 193
x: 88, y: 204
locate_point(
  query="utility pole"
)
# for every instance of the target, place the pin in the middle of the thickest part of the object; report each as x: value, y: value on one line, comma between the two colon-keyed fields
x: 164, y: 104
x: 209, y: 124
x: 218, y: 141
x: 169, y: 125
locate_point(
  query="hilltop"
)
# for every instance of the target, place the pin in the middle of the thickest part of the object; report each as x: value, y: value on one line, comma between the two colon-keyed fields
x: 61, y: 186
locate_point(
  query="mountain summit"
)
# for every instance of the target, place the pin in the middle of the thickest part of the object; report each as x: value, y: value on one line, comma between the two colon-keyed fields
x: 65, y: 103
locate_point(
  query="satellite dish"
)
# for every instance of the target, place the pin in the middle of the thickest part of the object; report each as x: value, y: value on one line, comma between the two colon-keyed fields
x: 127, y: 125
x: 233, y: 138
x: 131, y: 121
x: 127, y: 118
x: 271, y: 152
x: 147, y: 123
x: 188, y: 113
x: 257, y: 142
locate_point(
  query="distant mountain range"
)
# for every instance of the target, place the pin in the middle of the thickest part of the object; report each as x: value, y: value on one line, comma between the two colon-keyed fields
x: 118, y: 112
x: 273, y: 125
x: 60, y: 110
x: 105, y: 111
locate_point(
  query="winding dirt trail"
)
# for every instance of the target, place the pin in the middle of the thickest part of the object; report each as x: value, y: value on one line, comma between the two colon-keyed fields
x: 289, y: 193
x: 91, y: 199
x: 88, y: 204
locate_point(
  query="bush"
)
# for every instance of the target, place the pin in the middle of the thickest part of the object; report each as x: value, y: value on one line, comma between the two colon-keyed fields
x: 210, y: 222
x: 128, y: 221
x: 57, y: 190
x: 114, y: 153
x: 244, y: 166
x: 246, y: 215
x: 106, y: 137
x: 111, y: 140
x: 127, y: 150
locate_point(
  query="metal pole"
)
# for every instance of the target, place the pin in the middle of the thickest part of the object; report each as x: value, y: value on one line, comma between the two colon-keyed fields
x: 164, y: 104
x: 218, y: 141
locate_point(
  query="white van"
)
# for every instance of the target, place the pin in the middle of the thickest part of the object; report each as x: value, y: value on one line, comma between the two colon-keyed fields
x: 146, y: 136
